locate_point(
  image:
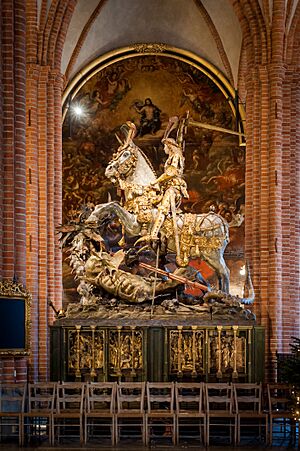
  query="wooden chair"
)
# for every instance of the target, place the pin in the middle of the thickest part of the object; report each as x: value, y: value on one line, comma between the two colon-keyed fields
x: 12, y: 405
x: 219, y: 409
x: 69, y: 411
x: 189, y: 407
x: 130, y: 407
x: 280, y: 414
x: 160, y: 413
x: 38, y: 418
x: 100, y: 410
x: 248, y: 407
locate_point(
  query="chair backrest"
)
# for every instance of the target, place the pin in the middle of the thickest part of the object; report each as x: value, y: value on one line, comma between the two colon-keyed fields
x: 70, y: 397
x: 41, y: 396
x: 12, y: 397
x: 219, y: 396
x: 248, y: 397
x: 160, y: 396
x: 280, y: 398
x: 188, y: 397
x: 100, y: 396
x: 130, y: 396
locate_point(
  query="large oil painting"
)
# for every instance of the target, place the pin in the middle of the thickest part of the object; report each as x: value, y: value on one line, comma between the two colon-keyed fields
x: 148, y: 90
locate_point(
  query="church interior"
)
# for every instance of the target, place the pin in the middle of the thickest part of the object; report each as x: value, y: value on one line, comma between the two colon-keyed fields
x: 149, y: 218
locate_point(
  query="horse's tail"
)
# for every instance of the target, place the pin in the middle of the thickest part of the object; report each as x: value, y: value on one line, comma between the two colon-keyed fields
x: 248, y: 291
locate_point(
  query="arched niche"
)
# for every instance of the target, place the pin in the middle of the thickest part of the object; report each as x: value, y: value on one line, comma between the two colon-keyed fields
x: 115, y: 88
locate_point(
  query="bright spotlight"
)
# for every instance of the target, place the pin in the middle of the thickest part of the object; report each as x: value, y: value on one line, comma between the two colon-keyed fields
x: 78, y: 110
x: 243, y: 270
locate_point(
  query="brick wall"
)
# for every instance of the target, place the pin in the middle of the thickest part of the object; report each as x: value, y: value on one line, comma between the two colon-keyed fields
x: 44, y: 88
x: 13, y: 201
x: 272, y: 172
x: 13, y: 158
x: 45, y: 39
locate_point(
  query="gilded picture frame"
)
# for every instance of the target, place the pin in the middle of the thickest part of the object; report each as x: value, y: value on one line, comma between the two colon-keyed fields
x: 15, y: 328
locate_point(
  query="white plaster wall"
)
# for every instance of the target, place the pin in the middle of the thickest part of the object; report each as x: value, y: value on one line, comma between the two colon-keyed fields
x: 229, y: 30
x: 80, y: 16
x: 174, y: 22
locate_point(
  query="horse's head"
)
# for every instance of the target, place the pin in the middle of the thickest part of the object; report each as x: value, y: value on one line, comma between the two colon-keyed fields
x: 130, y: 162
x: 123, y: 162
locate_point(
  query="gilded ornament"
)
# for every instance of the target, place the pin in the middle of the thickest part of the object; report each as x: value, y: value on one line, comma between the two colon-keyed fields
x: 12, y: 289
x: 186, y: 348
x: 150, y: 48
x: 125, y: 350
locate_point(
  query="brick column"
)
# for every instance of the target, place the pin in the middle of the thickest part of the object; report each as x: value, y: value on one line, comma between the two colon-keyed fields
x: 1, y: 146
x: 13, y: 236
x: 290, y: 206
x: 44, y: 148
x: 32, y: 140
x: 13, y: 155
x: 264, y: 218
x: 276, y: 76
x: 57, y: 287
x: 19, y: 138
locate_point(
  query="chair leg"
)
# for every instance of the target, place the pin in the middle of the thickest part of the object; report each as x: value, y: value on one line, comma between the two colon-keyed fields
x: 207, y: 433
x: 21, y: 432
x: 85, y: 431
x: 146, y: 431
x: 113, y: 431
x: 174, y: 435
x: 204, y: 432
x: 81, y: 432
x: 50, y: 432
x: 237, y: 430
x: 116, y: 431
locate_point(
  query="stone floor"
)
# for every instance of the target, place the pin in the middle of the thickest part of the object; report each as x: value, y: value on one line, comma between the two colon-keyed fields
x: 218, y: 443
x: 135, y: 447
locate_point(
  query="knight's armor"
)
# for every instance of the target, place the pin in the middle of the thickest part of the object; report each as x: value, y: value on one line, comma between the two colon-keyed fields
x: 171, y: 184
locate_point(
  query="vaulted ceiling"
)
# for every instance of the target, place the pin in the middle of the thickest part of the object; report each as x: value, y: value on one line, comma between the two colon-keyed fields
x: 219, y: 31
x: 208, y: 28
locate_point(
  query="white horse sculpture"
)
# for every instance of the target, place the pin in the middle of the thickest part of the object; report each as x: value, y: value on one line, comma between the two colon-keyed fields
x: 201, y: 235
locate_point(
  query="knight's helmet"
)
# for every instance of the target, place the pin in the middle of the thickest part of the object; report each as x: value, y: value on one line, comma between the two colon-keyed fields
x: 181, y: 126
x: 130, y: 133
x: 182, y: 130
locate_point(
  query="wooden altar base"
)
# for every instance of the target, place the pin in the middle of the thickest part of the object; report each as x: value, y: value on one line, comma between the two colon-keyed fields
x: 185, y: 348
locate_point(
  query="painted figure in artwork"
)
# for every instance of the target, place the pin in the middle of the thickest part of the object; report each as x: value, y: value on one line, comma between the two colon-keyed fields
x: 150, y: 117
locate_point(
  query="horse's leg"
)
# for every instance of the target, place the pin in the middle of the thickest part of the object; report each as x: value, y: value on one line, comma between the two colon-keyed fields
x: 216, y: 260
x: 132, y: 227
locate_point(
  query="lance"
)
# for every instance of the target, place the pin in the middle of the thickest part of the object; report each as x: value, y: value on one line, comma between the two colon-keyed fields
x: 213, y: 127
x: 174, y: 277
